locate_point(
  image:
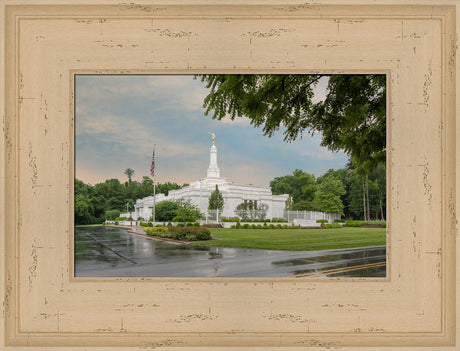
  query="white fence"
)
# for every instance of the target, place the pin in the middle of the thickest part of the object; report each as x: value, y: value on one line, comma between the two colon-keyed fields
x: 311, y: 215
x: 216, y: 215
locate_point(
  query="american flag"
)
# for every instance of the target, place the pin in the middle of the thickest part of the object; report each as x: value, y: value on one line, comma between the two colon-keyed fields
x: 152, y: 167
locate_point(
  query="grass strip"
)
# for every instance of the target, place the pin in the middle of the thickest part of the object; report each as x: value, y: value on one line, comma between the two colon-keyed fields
x: 296, y: 239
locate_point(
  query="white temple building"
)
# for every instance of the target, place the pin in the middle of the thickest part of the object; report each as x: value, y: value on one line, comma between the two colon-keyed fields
x: 198, y: 192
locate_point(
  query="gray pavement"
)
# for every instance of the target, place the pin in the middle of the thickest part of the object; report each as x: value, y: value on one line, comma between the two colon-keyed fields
x: 113, y: 252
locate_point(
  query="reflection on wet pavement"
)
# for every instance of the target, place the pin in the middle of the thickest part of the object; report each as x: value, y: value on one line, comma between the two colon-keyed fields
x: 113, y: 252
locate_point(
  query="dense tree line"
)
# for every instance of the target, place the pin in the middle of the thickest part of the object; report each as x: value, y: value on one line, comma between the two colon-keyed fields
x: 94, y: 203
x: 344, y: 191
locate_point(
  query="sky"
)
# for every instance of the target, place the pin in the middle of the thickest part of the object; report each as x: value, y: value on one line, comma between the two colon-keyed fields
x: 119, y: 119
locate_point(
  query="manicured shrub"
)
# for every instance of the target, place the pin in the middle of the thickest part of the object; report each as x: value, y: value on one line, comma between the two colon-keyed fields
x: 143, y: 224
x: 233, y: 226
x: 246, y: 226
x: 196, y: 224
x: 331, y: 225
x: 271, y: 226
x: 285, y: 226
x: 278, y: 226
x: 189, y: 224
x: 258, y: 226
x: 157, y: 231
x: 238, y: 225
x: 180, y: 224
x: 178, y: 219
x: 190, y: 233
x: 339, y: 221
x: 322, y: 221
x: 353, y: 223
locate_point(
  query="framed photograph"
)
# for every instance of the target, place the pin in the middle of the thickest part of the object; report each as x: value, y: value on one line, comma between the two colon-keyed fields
x: 48, y: 45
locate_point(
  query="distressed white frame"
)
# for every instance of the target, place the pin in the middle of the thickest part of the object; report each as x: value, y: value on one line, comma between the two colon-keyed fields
x: 47, y: 42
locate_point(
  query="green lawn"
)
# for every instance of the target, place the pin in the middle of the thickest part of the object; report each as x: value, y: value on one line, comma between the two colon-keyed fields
x: 296, y: 239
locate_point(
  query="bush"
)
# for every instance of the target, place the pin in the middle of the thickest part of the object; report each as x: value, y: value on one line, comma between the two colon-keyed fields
x: 278, y: 226
x: 190, y: 233
x: 180, y: 224
x: 143, y: 224
x: 178, y: 219
x: 232, y: 226
x: 246, y: 226
x: 238, y: 225
x: 157, y: 231
x: 189, y: 224
x: 353, y: 223
x: 271, y: 226
x: 112, y: 214
x: 322, y: 221
x: 331, y: 225
x: 339, y: 221
x: 196, y: 224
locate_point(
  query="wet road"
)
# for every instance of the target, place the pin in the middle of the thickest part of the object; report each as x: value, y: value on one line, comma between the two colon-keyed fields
x: 112, y: 252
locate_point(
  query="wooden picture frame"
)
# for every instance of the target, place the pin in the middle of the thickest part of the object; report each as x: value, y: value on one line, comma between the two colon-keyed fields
x: 47, y: 42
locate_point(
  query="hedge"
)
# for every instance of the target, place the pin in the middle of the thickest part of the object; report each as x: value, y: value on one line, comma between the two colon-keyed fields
x: 180, y: 233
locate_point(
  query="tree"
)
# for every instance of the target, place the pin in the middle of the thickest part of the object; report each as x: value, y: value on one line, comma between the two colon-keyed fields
x: 327, y: 196
x: 216, y: 200
x: 300, y: 185
x: 251, y: 209
x: 166, y: 210
x: 351, y: 118
x: 129, y: 172
x: 188, y: 211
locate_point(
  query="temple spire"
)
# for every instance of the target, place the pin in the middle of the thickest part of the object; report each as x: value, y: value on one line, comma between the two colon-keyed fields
x: 213, y: 169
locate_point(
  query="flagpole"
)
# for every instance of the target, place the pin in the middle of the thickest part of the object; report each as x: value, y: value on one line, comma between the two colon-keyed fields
x: 154, y: 190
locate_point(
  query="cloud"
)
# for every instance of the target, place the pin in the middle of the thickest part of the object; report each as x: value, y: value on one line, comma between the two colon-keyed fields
x: 120, y: 118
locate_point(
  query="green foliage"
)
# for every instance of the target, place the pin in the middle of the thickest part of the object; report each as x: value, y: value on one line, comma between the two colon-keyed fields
x: 351, y: 118
x: 129, y: 172
x: 216, y: 200
x: 166, y: 210
x: 190, y: 233
x: 305, y: 205
x: 92, y: 202
x: 188, y: 211
x: 352, y: 223
x: 143, y: 224
x: 300, y: 186
x: 251, y: 209
x: 157, y: 231
x: 327, y: 196
x: 331, y: 225
x: 112, y: 215
x: 322, y: 221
